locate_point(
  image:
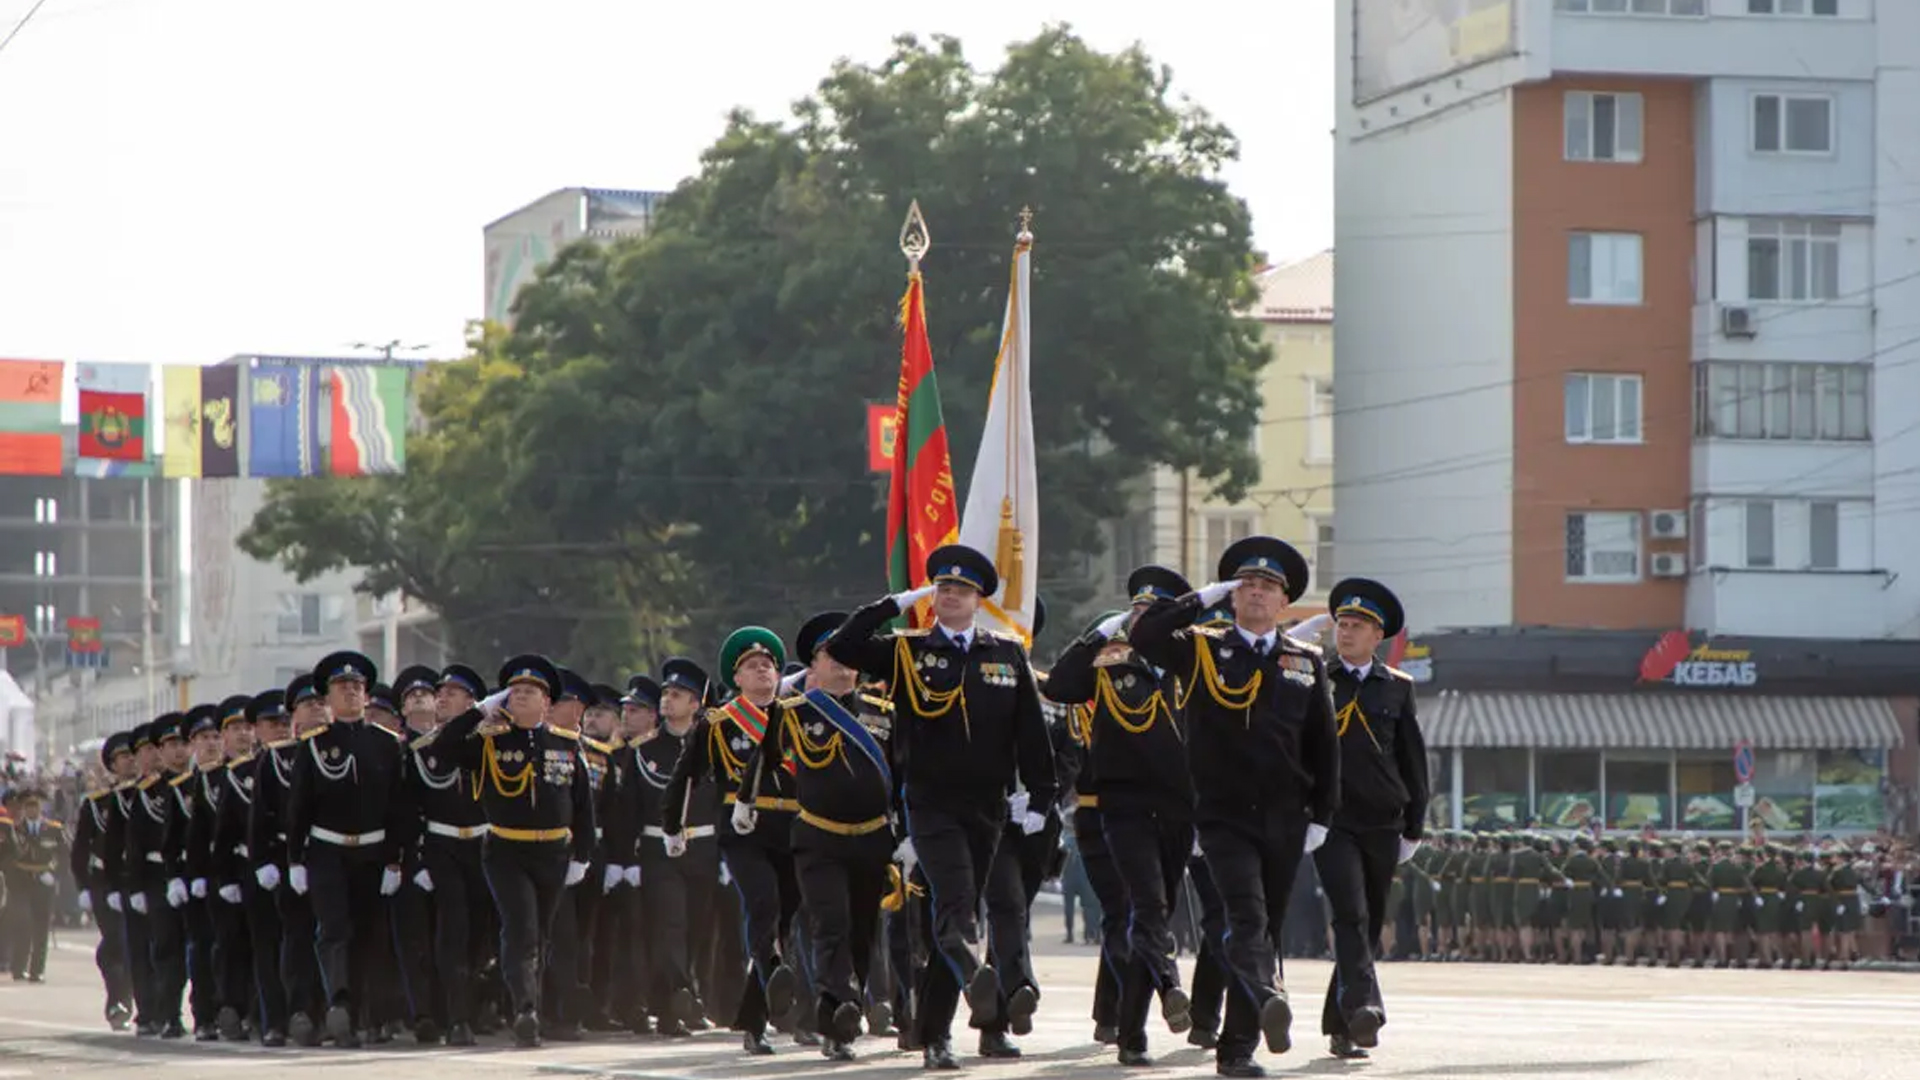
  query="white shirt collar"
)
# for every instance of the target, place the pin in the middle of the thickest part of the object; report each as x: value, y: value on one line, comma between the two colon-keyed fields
x: 1258, y: 641
x: 964, y: 635
x: 1361, y: 671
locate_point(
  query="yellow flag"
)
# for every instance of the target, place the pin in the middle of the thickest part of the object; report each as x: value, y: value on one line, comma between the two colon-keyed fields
x: 180, y: 404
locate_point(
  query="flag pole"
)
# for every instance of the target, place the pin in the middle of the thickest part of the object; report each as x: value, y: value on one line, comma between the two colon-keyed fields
x: 915, y: 240
x: 146, y: 592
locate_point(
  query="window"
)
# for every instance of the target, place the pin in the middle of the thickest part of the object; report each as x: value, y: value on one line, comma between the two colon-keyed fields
x: 1759, y: 534
x: 1319, y: 421
x: 1603, y: 408
x: 1603, y: 547
x: 1496, y: 783
x: 310, y: 615
x: 284, y: 676
x: 46, y: 564
x: 1792, y: 124
x: 1603, y: 268
x: 1567, y: 784
x: 1793, y: 7
x: 1823, y: 536
x: 1603, y: 127
x: 1639, y: 790
x: 1793, y: 260
x: 1222, y: 527
x: 1323, y: 553
x: 46, y: 511
x: 1633, y: 7
x: 1705, y: 780
x: 46, y: 618
x: 1799, y: 402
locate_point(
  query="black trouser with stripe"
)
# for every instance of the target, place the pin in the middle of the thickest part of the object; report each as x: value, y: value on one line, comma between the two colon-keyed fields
x: 262, y: 915
x: 769, y: 895
x: 528, y: 881
x: 1013, y: 881
x: 841, y: 880
x: 1255, y: 854
x: 1150, y: 851
x: 1356, y: 871
x: 110, y: 956
x: 350, y: 938
x: 955, y: 846
x: 462, y: 921
x: 299, y: 961
x: 232, y: 952
x: 1210, y: 962
x: 1091, y: 840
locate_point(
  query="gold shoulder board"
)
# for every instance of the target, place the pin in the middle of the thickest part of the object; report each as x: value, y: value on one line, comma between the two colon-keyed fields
x: 1397, y: 673
x: 793, y: 702
x: 426, y: 740
x: 313, y: 732
x: 913, y: 632
x: 1214, y: 632
x: 181, y: 779
x: 881, y: 703
x: 595, y: 744
x: 487, y: 729
x: 565, y: 733
x: 102, y: 793
x: 281, y: 745
x: 239, y: 761
x: 1307, y: 647
x: 1004, y: 635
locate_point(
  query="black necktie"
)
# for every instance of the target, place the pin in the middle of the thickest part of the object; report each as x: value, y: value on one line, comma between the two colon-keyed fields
x: 1263, y: 647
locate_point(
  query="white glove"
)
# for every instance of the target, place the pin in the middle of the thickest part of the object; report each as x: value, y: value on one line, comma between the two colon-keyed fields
x: 676, y: 845
x: 612, y: 878
x: 1033, y: 823
x: 1839, y: 909
x: 743, y: 819
x: 113, y: 901
x: 46, y: 878
x: 199, y: 888
x: 1436, y: 886
x: 791, y: 683
x: 905, y: 600
x: 1310, y: 629
x: 1111, y: 625
x: 423, y: 879
x: 268, y: 875
x: 1799, y: 906
x: 576, y: 873
x: 1218, y: 591
x: 906, y: 857
x: 632, y: 876
x: 230, y: 893
x: 139, y: 902
x: 85, y: 900
x: 1759, y: 901
x: 493, y: 702
x: 297, y: 878
x: 390, y: 881
x: 1566, y: 883
x: 1716, y: 894
x: 1407, y: 848
x: 1316, y: 835
x: 726, y: 875
x: 1617, y: 894
x: 1017, y: 805
x: 1197, y: 853
x: 1660, y: 901
x: 176, y: 892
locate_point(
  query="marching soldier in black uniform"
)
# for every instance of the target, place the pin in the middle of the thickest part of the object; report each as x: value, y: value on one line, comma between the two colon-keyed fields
x: 447, y: 859
x: 564, y: 994
x: 267, y: 825
x: 759, y: 862
x: 1266, y: 767
x: 539, y: 807
x: 39, y: 844
x: 604, y: 896
x: 839, y: 744
x: 1383, y: 805
x: 1146, y: 798
x: 233, y: 870
x: 967, y: 718
x: 677, y: 891
x: 151, y: 875
x: 412, y: 699
x: 629, y: 956
x: 95, y: 858
x: 348, y: 829
x: 211, y: 837
x: 1210, y: 960
x: 188, y: 848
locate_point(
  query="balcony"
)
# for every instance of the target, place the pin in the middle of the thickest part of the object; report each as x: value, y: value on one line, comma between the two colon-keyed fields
x: 1727, y: 42
x: 1838, y: 606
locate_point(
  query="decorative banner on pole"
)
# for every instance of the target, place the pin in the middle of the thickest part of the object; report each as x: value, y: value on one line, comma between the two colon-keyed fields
x: 921, y: 511
x: 180, y: 407
x: 219, y: 421
x: 113, y: 411
x: 282, y: 418
x: 368, y: 421
x: 83, y: 634
x: 30, y: 442
x: 882, y: 429
x: 13, y: 631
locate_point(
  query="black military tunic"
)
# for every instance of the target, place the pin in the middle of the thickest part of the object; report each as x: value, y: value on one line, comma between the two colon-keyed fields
x: 452, y: 826
x: 95, y: 860
x: 305, y: 994
x: 679, y: 895
x: 155, y: 927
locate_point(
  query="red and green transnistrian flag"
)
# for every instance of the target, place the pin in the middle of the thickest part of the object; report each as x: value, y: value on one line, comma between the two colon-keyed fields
x: 921, y: 511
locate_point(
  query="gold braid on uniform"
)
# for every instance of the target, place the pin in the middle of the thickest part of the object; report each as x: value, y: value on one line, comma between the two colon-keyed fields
x: 1228, y: 697
x: 813, y: 754
x: 723, y: 753
x: 907, y: 673
x: 1346, y: 715
x: 520, y: 782
x: 1080, y: 724
x: 1127, y: 717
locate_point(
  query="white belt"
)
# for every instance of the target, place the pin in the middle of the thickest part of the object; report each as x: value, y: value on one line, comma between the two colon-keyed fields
x: 692, y: 832
x: 347, y: 839
x: 457, y: 832
x: 154, y: 856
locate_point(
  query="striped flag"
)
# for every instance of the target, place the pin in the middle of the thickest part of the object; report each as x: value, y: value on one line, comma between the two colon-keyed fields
x: 921, y: 514
x: 113, y: 411
x: 368, y: 423
x: 30, y: 442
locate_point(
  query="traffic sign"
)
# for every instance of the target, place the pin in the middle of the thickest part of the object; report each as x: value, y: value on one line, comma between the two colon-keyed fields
x: 1743, y: 761
x: 1743, y: 796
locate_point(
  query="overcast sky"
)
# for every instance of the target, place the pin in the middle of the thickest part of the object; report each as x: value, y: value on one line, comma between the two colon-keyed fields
x: 183, y: 180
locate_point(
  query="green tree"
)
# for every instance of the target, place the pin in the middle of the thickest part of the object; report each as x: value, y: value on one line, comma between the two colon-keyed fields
x: 676, y: 423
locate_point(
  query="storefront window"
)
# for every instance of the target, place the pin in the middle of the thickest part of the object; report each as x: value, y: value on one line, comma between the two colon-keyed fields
x: 1639, y: 791
x: 1568, y: 783
x: 1783, y: 790
x: 1496, y: 788
x: 1846, y: 791
x: 1706, y: 790
x: 1440, y: 776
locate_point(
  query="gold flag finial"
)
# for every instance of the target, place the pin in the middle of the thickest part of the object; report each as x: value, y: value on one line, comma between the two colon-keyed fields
x: 915, y: 240
x: 1026, y: 225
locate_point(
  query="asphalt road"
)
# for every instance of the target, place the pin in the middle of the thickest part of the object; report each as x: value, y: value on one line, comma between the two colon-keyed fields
x: 1445, y: 1020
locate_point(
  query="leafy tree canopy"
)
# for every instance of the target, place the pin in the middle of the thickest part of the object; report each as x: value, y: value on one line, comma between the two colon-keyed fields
x: 671, y: 440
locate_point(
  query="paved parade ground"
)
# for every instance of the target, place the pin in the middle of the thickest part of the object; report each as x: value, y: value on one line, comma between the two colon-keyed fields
x: 1445, y: 1020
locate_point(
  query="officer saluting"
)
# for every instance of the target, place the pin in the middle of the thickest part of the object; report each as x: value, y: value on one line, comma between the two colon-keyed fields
x: 1266, y: 767
x: 966, y: 714
x: 349, y: 825
x: 1383, y: 804
x: 539, y: 806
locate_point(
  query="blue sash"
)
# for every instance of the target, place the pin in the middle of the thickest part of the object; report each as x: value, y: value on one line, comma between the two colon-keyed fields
x: 850, y: 726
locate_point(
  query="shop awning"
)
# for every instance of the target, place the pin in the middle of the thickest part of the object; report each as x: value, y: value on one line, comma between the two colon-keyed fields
x: 1656, y: 721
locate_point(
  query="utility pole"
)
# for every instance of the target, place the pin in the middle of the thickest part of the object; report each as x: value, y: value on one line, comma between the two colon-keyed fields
x: 387, y: 350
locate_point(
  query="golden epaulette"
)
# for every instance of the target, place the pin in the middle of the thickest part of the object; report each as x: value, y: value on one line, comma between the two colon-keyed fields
x: 424, y: 741
x: 795, y: 701
x: 878, y: 702
x: 1214, y: 632
x: 181, y: 779
x: 565, y: 733
x: 101, y: 794
x: 282, y: 744
x: 313, y: 732
x: 398, y: 736
x: 125, y: 784
x: 1307, y: 647
x: 239, y: 761
x: 1397, y: 673
x: 147, y: 782
x: 914, y: 631
x: 487, y: 729
x: 595, y: 744
x: 1007, y: 635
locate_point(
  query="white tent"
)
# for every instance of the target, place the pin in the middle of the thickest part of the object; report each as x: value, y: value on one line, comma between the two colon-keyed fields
x: 16, y: 719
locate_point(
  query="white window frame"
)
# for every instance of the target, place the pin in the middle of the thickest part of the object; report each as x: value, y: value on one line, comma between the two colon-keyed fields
x: 1219, y: 528
x: 1608, y: 251
x: 1801, y: 9
x: 1324, y: 555
x: 1759, y: 517
x: 1778, y: 401
x: 1783, y: 106
x: 1806, y: 257
x: 1579, y: 127
x: 1615, y: 522
x: 1814, y: 508
x: 1679, y: 9
x: 1622, y: 389
x: 1320, y: 422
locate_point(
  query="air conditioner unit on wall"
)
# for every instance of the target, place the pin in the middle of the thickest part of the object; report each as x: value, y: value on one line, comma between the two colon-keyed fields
x: 1667, y: 524
x: 1667, y: 564
x: 1738, y: 322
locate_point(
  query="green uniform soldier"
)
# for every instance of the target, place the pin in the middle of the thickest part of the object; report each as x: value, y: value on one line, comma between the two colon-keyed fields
x: 1584, y: 898
x: 1807, y: 887
x: 1728, y: 887
x: 1420, y: 894
x: 1769, y: 906
x: 1529, y: 871
x: 1700, y: 906
x: 1676, y: 892
x: 1500, y: 896
x: 1454, y: 909
x: 1630, y: 881
x: 1480, y: 899
x: 39, y: 844
x: 1843, y: 896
